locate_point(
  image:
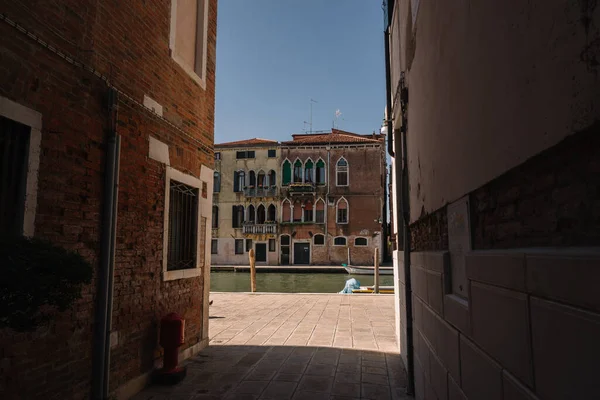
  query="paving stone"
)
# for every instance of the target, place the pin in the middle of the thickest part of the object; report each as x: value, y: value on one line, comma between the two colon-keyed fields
x: 252, y: 387
x: 308, y: 395
x: 320, y: 369
x: 346, y: 389
x: 375, y: 392
x: 316, y: 383
x: 288, y: 377
x: 278, y: 390
x: 375, y: 379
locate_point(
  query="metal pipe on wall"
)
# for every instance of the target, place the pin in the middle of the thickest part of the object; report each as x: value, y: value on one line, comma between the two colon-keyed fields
x: 103, y: 314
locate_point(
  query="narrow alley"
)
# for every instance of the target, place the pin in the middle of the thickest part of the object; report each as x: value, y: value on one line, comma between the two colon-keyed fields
x: 294, y: 346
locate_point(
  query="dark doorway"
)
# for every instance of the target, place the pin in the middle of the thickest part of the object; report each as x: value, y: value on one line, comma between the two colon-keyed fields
x: 261, y: 252
x: 301, y: 253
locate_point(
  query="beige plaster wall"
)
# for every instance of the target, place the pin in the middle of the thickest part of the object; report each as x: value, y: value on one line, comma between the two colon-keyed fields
x: 491, y: 83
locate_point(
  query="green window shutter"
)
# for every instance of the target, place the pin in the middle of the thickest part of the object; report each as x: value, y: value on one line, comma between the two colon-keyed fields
x: 287, y: 173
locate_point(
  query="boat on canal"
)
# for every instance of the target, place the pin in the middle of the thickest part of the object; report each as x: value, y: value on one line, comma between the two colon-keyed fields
x: 356, y: 270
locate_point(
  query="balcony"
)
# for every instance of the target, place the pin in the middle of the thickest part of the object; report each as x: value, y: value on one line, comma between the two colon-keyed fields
x: 301, y: 188
x: 260, y: 229
x: 261, y: 191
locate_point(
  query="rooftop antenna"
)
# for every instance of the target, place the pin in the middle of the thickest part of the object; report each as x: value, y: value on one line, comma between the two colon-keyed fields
x: 311, y: 104
x: 338, y: 114
x: 304, y: 129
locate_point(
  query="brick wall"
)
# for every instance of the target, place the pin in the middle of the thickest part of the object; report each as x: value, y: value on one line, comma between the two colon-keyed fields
x: 55, y: 361
x: 552, y: 199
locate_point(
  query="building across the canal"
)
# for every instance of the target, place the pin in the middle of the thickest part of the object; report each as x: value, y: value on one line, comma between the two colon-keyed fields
x: 318, y: 199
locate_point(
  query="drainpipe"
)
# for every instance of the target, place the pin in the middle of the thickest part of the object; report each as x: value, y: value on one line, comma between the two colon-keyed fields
x: 388, y: 92
x: 103, y: 315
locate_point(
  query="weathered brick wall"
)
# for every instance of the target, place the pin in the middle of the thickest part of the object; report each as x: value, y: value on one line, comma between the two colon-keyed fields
x: 55, y: 361
x: 430, y: 232
x: 552, y: 199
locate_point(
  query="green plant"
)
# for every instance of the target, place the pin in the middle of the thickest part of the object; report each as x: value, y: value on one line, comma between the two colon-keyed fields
x: 39, y: 279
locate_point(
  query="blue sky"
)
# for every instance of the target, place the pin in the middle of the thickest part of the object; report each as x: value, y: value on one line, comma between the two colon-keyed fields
x: 273, y: 56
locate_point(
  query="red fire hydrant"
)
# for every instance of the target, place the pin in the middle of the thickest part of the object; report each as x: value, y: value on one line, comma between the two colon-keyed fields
x: 172, y: 328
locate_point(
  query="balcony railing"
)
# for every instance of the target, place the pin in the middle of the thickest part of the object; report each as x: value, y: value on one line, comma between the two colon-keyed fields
x: 261, y: 191
x: 301, y: 188
x: 260, y: 228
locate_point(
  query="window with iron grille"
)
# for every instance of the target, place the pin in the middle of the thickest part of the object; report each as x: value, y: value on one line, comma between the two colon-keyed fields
x: 239, y: 246
x: 271, y: 153
x: 214, y: 246
x: 14, y: 153
x: 272, y: 245
x: 183, y: 226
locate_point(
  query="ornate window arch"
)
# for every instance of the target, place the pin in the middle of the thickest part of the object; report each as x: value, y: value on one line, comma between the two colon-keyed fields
x: 286, y: 172
x: 342, y: 211
x: 320, y: 172
x: 298, y: 171
x: 320, y: 211
x: 342, y: 177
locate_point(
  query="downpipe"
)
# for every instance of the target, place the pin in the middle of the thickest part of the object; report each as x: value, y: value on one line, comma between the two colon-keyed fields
x: 103, y: 315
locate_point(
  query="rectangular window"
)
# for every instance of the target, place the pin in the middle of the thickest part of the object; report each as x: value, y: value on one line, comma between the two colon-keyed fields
x: 14, y: 151
x: 240, y: 155
x: 216, y: 182
x: 183, y: 226
x: 272, y: 153
x: 308, y: 215
x: 217, y: 155
x: 342, y: 216
x: 271, y: 245
x: 188, y: 37
x: 239, y: 246
x: 237, y: 216
x: 248, y: 245
x: 342, y: 178
x: 214, y: 246
x: 215, y: 217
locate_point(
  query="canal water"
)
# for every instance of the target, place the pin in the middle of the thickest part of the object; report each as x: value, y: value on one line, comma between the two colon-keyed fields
x: 289, y: 282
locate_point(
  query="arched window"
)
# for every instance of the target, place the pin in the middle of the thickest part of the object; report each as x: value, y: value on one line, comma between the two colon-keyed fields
x: 361, y: 241
x: 342, y: 211
x: 252, y: 178
x: 308, y: 211
x: 272, y: 181
x: 319, y: 240
x: 237, y: 216
x: 297, y: 212
x: 308, y: 171
x: 320, y: 211
x: 216, y: 182
x: 239, y: 181
x: 298, y: 171
x: 261, y: 214
x: 271, y: 213
x: 251, y: 214
x: 341, y: 172
x: 286, y: 173
x: 215, y: 217
x: 320, y: 173
x: 261, y: 179
x: 339, y: 241
x: 286, y: 211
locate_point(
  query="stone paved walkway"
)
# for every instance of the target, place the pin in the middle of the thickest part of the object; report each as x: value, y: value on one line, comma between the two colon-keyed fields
x: 293, y: 346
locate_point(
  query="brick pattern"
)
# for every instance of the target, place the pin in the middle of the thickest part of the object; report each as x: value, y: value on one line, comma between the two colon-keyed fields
x: 430, y: 233
x: 552, y: 199
x: 55, y: 361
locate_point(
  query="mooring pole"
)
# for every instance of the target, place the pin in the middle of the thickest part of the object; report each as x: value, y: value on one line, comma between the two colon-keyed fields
x: 252, y: 270
x: 376, y: 280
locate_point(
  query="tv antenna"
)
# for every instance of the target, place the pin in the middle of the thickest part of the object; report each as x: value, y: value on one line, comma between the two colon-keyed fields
x: 311, y: 105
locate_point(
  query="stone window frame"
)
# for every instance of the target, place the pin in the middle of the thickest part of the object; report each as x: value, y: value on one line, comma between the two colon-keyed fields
x: 33, y: 119
x: 214, y: 246
x: 312, y: 170
x: 337, y: 203
x: 215, y: 216
x: 324, y: 172
x: 301, y: 170
x: 274, y: 248
x: 316, y: 244
x: 347, y: 172
x: 204, y: 211
x: 283, y: 207
x: 340, y: 245
x: 201, y: 80
x: 361, y: 245
x: 324, y: 210
x: 216, y: 182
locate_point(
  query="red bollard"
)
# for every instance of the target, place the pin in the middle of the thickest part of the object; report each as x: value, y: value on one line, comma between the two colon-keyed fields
x: 172, y: 328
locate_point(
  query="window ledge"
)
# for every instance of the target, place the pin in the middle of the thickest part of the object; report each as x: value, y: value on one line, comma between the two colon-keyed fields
x: 182, y: 274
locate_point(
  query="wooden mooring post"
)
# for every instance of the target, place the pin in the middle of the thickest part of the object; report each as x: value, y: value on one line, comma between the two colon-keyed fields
x: 252, y: 270
x: 376, y: 276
